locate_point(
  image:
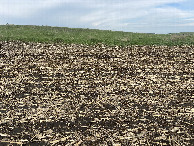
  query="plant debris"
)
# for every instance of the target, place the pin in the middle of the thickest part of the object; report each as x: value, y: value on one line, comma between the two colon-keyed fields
x: 58, y: 94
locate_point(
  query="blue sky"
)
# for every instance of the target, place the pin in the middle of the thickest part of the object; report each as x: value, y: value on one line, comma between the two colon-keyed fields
x: 147, y: 16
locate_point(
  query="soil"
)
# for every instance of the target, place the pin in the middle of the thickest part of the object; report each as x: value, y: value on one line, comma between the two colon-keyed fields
x: 57, y: 94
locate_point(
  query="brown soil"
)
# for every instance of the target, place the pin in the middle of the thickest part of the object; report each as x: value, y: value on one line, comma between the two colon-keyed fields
x: 80, y: 95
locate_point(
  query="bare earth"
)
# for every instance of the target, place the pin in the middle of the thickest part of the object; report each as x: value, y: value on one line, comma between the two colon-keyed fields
x: 78, y: 95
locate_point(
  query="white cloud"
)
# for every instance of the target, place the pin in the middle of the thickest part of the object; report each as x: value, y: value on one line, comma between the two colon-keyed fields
x: 190, y: 19
x: 146, y: 11
x: 22, y: 8
x: 127, y: 15
x: 186, y: 24
x: 26, y: 8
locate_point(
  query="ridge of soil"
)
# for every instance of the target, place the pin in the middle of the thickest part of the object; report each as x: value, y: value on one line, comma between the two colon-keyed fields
x: 53, y: 94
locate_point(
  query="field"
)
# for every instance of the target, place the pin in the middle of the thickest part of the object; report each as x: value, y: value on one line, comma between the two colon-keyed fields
x: 47, y: 34
x: 94, y: 93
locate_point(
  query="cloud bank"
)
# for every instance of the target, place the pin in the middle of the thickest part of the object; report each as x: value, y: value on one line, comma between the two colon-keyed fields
x: 149, y: 16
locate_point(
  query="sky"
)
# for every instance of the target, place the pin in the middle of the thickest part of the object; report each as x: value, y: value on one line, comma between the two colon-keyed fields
x: 144, y: 16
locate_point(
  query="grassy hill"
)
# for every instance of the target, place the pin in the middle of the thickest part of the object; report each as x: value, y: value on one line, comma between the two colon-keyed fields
x: 66, y: 35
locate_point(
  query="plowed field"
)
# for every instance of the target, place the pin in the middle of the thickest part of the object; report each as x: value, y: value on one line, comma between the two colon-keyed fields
x: 53, y: 94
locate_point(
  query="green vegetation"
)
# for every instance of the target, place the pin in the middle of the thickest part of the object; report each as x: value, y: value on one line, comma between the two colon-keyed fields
x: 66, y: 35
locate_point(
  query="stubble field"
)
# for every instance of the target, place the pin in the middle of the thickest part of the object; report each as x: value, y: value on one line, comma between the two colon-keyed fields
x: 53, y: 94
